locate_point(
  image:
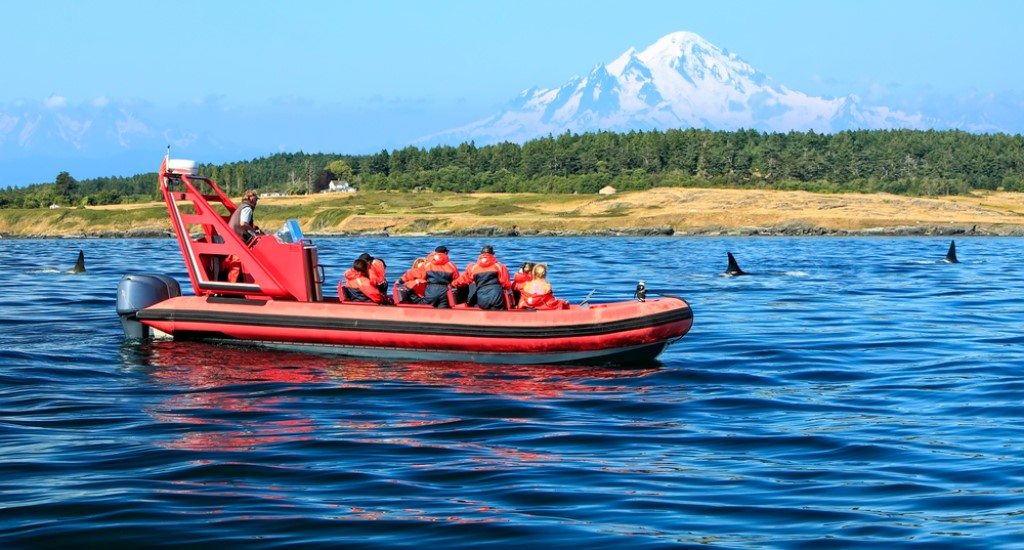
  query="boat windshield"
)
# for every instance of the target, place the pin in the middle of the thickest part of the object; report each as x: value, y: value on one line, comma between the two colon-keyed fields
x: 289, y: 232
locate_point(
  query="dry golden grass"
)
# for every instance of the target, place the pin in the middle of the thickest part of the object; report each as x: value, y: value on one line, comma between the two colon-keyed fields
x: 684, y: 210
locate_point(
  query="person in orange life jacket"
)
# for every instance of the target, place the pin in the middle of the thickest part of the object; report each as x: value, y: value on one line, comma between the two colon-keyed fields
x: 357, y: 286
x: 413, y: 283
x: 490, y: 278
x: 537, y: 292
x: 523, y: 276
x: 378, y: 272
x: 439, y: 273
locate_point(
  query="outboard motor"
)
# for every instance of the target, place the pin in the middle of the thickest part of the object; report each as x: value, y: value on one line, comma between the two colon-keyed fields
x: 138, y: 291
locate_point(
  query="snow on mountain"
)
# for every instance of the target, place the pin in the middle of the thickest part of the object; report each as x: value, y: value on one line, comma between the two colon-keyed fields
x: 680, y: 81
x: 41, y: 138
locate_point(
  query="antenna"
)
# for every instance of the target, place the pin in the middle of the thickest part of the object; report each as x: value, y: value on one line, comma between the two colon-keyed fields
x: 587, y: 299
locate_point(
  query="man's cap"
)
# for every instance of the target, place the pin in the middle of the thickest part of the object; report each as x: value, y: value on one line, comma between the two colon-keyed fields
x: 487, y: 249
x: 441, y: 248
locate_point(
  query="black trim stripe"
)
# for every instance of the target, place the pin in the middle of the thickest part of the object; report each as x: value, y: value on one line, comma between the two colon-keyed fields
x: 622, y: 356
x: 412, y: 327
x: 236, y: 300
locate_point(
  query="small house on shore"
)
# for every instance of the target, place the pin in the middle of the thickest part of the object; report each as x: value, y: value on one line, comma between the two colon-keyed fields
x: 607, y: 190
x: 340, y: 186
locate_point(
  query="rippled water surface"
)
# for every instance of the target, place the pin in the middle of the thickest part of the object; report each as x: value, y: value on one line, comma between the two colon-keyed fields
x: 848, y: 392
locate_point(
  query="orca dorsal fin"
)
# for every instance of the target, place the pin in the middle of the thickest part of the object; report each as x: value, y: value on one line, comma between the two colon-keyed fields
x: 951, y: 255
x: 80, y: 263
x: 733, y: 268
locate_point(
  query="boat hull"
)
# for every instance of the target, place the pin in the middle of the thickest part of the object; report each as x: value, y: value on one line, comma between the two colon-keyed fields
x: 626, y: 332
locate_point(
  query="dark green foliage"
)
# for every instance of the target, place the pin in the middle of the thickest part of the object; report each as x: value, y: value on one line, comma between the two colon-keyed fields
x: 908, y: 162
x: 65, y: 187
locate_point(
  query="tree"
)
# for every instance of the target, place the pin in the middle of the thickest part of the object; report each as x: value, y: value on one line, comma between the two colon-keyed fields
x: 226, y: 177
x: 340, y: 169
x: 240, y: 182
x: 899, y: 161
x: 379, y: 163
x: 65, y: 187
x: 309, y: 177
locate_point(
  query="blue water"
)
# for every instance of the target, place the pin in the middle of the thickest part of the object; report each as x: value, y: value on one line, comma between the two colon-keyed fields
x: 850, y: 391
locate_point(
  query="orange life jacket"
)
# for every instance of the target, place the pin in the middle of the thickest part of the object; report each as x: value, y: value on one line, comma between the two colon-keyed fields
x: 537, y: 294
x: 480, y: 270
x: 440, y: 272
x: 359, y: 288
x: 520, y: 280
x: 490, y: 278
x: 378, y: 273
x: 416, y: 280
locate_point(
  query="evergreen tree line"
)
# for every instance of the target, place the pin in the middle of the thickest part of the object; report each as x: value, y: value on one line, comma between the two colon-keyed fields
x: 908, y: 162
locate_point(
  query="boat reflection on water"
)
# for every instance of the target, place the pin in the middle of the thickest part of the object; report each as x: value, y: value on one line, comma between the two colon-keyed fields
x: 234, y: 398
x: 216, y: 396
x: 200, y: 365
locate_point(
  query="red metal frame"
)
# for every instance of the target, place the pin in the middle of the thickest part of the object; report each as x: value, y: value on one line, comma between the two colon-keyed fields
x: 270, y: 269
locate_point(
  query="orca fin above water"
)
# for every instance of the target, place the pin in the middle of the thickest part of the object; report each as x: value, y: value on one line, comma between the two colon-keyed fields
x: 733, y: 269
x: 80, y: 263
x: 951, y: 254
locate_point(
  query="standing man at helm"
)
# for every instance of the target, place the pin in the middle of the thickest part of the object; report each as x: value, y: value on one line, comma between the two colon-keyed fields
x: 242, y: 220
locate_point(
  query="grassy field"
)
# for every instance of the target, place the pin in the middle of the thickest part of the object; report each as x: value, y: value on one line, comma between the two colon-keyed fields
x: 656, y: 211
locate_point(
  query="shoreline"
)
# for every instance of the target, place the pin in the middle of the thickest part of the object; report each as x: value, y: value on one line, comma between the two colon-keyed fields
x: 784, y: 231
x: 659, y: 212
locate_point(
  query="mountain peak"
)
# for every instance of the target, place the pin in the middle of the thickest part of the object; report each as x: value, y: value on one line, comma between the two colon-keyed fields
x: 681, y: 38
x: 682, y: 45
x: 679, y: 81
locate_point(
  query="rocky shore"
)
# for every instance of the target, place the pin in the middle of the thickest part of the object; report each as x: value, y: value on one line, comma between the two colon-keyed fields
x: 98, y: 234
x: 788, y: 230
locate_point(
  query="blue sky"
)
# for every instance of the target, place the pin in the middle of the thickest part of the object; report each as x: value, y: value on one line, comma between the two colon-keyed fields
x: 482, y: 53
x: 355, y: 77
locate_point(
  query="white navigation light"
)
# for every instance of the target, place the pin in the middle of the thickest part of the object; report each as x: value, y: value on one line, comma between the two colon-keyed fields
x: 181, y: 166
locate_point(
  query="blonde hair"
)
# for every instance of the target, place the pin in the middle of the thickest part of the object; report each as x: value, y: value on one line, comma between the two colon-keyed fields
x: 250, y: 193
x: 540, y: 271
x: 418, y: 262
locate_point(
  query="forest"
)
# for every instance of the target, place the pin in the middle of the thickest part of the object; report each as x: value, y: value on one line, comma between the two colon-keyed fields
x: 907, y: 162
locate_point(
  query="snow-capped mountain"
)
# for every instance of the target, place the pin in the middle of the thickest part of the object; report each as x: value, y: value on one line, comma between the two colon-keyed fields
x: 680, y: 81
x: 38, y: 139
x: 123, y: 136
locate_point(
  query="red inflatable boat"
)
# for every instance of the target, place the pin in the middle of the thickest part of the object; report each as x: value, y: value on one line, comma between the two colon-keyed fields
x: 277, y: 302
